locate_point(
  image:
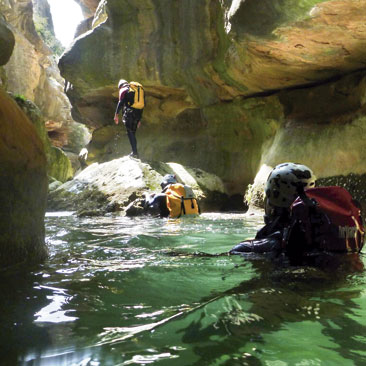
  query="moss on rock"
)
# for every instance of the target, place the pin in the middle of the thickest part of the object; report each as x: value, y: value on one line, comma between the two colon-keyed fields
x: 58, y: 164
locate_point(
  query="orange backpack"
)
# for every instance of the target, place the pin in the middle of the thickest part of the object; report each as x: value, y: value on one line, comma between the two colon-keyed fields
x: 180, y: 201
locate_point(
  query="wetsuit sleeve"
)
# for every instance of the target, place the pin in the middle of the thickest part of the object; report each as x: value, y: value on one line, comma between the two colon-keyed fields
x: 121, y: 102
x: 119, y: 106
x: 272, y: 243
x: 157, y: 203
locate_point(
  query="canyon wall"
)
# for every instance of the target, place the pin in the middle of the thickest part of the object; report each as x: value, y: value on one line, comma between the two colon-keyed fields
x: 26, y: 154
x: 23, y: 187
x: 32, y: 74
x: 230, y: 85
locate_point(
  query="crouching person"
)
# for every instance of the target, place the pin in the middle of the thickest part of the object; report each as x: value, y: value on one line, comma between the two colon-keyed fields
x: 174, y: 201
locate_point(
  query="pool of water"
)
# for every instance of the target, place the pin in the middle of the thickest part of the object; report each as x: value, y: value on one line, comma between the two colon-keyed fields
x: 122, y: 291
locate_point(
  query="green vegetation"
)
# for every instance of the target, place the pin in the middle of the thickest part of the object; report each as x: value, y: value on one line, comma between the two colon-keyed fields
x: 47, y: 35
x: 20, y: 97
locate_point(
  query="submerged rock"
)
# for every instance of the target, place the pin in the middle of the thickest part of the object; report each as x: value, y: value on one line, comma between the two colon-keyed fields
x: 114, y: 185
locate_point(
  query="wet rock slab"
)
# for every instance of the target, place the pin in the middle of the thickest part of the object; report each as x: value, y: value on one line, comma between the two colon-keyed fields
x: 114, y: 185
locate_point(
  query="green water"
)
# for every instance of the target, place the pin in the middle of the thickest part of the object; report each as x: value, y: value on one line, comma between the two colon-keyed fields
x: 120, y: 291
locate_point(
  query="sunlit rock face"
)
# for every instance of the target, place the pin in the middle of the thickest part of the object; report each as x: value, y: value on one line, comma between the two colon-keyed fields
x: 115, y: 185
x: 28, y: 51
x: 88, y: 7
x: 32, y: 71
x: 23, y: 187
x: 89, y: 10
x: 325, y: 129
x: 282, y: 43
x: 220, y: 78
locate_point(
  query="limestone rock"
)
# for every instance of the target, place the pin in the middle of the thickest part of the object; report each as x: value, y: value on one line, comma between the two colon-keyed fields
x: 278, y: 44
x: 7, y: 42
x: 324, y: 129
x: 230, y: 85
x: 58, y: 164
x: 88, y: 7
x: 214, y: 51
x: 114, y: 185
x: 224, y: 140
x: 32, y: 71
x: 23, y: 191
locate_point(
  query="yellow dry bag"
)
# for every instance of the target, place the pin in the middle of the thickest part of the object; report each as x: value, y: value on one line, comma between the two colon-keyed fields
x: 139, y: 98
x: 181, y: 201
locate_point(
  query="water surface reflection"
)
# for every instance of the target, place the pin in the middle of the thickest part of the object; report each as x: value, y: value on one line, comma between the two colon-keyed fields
x: 120, y: 291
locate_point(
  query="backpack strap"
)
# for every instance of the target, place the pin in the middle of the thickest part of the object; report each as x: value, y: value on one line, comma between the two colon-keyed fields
x: 183, y: 209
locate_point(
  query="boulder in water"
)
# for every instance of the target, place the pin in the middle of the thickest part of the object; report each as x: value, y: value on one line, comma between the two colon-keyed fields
x: 114, y: 185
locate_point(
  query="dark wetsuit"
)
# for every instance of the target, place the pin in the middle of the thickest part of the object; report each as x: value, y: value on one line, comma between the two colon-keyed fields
x: 156, y: 204
x: 130, y: 117
x: 267, y: 239
x: 270, y: 237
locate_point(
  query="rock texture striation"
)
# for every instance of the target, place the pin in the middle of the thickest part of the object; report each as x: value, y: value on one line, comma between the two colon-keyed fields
x: 231, y: 85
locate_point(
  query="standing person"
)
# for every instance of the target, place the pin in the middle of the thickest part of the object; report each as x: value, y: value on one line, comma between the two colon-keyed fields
x: 131, y: 102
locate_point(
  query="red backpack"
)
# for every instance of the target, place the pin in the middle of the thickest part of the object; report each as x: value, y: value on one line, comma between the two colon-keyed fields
x: 330, y: 220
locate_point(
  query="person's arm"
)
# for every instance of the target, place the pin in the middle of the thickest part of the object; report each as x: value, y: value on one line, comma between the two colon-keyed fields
x: 118, y: 109
x: 120, y: 105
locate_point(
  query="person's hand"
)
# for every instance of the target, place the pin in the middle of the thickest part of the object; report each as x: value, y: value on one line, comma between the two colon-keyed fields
x: 138, y: 124
x: 116, y: 119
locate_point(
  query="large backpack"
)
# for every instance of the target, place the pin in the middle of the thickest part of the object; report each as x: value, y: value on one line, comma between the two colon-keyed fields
x: 137, y: 100
x: 181, y: 200
x: 329, y: 220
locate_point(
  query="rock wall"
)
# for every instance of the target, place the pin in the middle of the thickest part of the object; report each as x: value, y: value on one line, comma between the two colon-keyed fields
x: 23, y: 161
x: 23, y: 187
x: 7, y: 42
x: 58, y: 164
x: 23, y: 177
x: 32, y: 72
x: 231, y: 85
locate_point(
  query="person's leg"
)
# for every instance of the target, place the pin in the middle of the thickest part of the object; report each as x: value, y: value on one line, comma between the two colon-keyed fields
x: 131, y: 126
x: 133, y: 141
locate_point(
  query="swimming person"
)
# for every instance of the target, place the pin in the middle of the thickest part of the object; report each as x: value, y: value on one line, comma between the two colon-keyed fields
x: 175, y: 199
x: 302, y: 220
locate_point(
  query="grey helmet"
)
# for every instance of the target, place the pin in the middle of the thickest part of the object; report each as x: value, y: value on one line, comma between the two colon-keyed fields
x: 168, y: 179
x: 284, y: 182
x: 121, y: 83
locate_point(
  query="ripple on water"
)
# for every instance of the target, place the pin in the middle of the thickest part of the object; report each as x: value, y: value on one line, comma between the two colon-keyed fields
x: 123, y: 291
